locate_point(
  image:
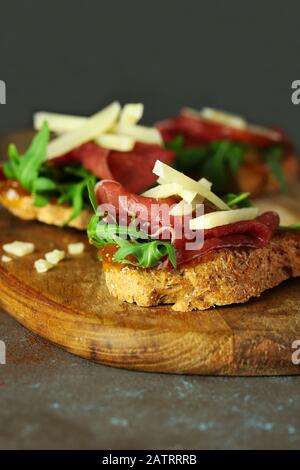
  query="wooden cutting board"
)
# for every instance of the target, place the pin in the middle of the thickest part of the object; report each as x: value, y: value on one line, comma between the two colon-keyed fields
x: 71, y: 307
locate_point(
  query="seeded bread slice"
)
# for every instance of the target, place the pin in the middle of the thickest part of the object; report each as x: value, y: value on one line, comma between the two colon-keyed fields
x: 21, y: 205
x: 222, y: 278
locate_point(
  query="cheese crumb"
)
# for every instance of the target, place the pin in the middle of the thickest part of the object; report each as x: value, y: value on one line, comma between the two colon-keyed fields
x: 76, y: 248
x: 42, y: 265
x: 6, y: 259
x: 55, y: 256
x: 18, y: 248
x: 12, y: 194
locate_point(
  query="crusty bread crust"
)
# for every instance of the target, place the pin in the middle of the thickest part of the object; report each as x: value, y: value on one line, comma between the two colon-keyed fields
x: 223, y: 278
x: 53, y: 214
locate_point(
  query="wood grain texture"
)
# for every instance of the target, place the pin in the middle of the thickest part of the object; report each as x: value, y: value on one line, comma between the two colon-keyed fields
x: 71, y: 307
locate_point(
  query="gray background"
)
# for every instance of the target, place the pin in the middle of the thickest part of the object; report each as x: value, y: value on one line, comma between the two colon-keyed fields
x: 76, y: 56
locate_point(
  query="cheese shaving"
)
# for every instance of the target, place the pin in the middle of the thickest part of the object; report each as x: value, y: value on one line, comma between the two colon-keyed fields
x: 219, y: 218
x: 94, y: 126
x: 188, y: 184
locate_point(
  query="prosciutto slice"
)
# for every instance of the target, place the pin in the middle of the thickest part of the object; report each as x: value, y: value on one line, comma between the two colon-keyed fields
x: 197, y: 131
x: 115, y: 196
x: 132, y: 169
x: 245, y: 234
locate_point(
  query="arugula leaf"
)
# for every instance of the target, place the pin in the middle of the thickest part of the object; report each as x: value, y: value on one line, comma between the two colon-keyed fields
x: 78, y: 171
x: 26, y: 169
x: 68, y: 184
x: 92, y: 195
x: 8, y: 171
x: 92, y: 232
x: 14, y: 154
x: 188, y: 158
x: 290, y: 227
x: 235, y: 156
x: 73, y: 194
x: 146, y: 252
x: 176, y: 144
x: 240, y: 200
x: 11, y: 168
x: 218, y: 161
x: 43, y: 184
x: 215, y: 165
x: 41, y: 201
x: 273, y: 157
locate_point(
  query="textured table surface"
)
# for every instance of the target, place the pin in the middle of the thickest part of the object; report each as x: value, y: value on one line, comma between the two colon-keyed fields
x: 53, y: 400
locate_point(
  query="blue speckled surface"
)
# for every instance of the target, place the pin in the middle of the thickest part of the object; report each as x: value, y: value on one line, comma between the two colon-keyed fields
x: 51, y: 399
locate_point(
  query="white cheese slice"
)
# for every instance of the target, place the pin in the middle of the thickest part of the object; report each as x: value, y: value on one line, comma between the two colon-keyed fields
x: 270, y: 133
x: 121, y: 143
x: 185, y: 208
x: 198, y: 200
x: 99, y: 123
x: 55, y: 256
x: 6, y: 259
x: 170, y: 189
x: 19, y: 249
x: 182, y: 208
x: 188, y: 184
x: 162, y: 181
x: 191, y: 112
x: 131, y: 114
x: 42, y: 265
x: 216, y: 219
x: 61, y: 123
x: 206, y: 183
x: 12, y: 194
x: 76, y: 248
x: 163, y: 190
x: 223, y: 117
x: 147, y: 135
x: 58, y: 123
x: 215, y: 115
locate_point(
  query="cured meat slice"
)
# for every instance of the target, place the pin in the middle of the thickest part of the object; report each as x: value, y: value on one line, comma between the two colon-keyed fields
x: 118, y: 200
x: 132, y: 169
x: 201, y: 131
x: 246, y: 234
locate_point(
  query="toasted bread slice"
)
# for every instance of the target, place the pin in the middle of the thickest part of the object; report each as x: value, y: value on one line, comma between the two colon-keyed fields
x: 221, y: 278
x: 21, y: 205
